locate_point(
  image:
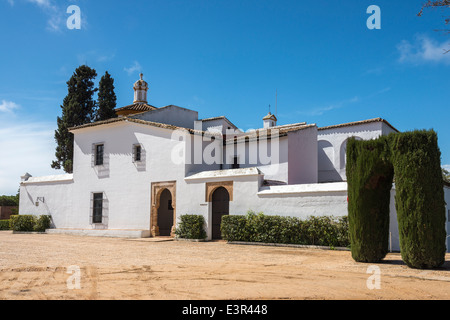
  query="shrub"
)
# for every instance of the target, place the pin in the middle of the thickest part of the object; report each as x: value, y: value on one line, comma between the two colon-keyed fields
x: 4, y: 224
x: 419, y: 198
x: 369, y: 178
x: 324, y: 231
x: 29, y: 223
x: 191, y: 227
x: 234, y: 228
x: 22, y: 222
x: 42, y: 223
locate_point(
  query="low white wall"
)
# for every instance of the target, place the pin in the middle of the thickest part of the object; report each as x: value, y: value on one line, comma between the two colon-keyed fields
x: 55, y: 199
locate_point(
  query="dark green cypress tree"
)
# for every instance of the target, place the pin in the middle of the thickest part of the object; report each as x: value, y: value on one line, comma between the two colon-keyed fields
x: 106, y: 98
x: 419, y: 198
x: 77, y: 109
x: 369, y: 178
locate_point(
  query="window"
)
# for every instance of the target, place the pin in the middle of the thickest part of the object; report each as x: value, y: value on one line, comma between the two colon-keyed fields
x: 137, y: 153
x: 97, y: 208
x: 235, y: 163
x: 99, y: 148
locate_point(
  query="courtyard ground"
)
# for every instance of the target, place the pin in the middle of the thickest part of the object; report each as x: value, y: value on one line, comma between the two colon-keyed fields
x: 44, y: 266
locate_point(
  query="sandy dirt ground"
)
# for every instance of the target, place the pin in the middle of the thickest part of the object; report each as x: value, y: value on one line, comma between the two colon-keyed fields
x: 44, y: 266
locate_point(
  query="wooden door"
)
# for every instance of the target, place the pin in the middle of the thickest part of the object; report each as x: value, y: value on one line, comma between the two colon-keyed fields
x: 220, y: 207
x: 165, y: 213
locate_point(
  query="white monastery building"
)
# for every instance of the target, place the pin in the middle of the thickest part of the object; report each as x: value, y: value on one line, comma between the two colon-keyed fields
x: 135, y: 175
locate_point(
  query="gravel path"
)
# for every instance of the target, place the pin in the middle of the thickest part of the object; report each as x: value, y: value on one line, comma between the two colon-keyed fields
x: 44, y: 266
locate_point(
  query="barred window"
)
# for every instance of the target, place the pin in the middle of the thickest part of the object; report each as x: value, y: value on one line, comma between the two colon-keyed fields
x: 99, y: 149
x: 137, y: 153
x: 97, y: 208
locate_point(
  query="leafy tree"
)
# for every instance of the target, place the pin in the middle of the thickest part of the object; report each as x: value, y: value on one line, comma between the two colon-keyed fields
x: 446, y: 175
x: 106, y: 98
x: 437, y: 4
x: 77, y: 109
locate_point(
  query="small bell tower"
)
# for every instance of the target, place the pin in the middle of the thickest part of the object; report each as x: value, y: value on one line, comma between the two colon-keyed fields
x: 140, y: 90
x: 269, y: 120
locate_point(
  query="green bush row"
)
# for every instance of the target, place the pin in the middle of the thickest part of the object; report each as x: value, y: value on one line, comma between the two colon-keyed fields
x: 321, y: 231
x: 29, y: 223
x: 191, y: 226
x: 4, y: 224
x: 9, y: 201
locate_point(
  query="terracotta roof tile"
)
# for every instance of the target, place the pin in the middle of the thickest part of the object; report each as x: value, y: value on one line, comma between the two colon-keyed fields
x: 137, y: 107
x: 357, y: 123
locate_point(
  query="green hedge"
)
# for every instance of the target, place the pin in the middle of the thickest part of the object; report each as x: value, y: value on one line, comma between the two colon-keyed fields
x: 4, y: 224
x: 191, y: 227
x: 29, y: 223
x: 369, y: 177
x: 322, y: 231
x: 419, y: 198
x: 9, y: 201
x: 42, y: 223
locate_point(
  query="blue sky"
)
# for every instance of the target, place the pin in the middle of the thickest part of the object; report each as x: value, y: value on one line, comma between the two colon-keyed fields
x: 222, y: 58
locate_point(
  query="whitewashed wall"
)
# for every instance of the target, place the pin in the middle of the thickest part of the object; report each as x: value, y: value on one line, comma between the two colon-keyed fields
x: 332, y: 147
x: 302, y: 156
x: 126, y: 186
x: 173, y: 115
x: 55, y: 198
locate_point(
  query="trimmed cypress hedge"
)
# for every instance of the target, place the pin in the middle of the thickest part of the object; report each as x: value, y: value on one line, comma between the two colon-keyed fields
x: 321, y: 231
x: 191, y: 227
x: 369, y: 178
x: 419, y: 198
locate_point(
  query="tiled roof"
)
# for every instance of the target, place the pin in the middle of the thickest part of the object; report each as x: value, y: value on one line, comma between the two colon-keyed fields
x: 219, y: 118
x: 357, y: 123
x: 137, y: 107
x: 270, y: 116
x: 139, y: 121
x: 266, y: 133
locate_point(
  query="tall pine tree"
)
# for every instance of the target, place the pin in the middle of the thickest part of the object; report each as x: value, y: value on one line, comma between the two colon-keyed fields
x: 77, y: 109
x: 106, y: 98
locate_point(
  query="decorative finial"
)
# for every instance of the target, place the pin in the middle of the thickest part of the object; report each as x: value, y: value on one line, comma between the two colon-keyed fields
x: 141, y: 76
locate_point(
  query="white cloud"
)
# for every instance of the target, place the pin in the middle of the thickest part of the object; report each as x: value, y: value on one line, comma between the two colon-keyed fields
x: 56, y: 14
x: 321, y: 110
x: 135, y: 68
x: 8, y: 106
x: 25, y: 141
x: 446, y: 167
x: 423, y: 50
x: 42, y: 3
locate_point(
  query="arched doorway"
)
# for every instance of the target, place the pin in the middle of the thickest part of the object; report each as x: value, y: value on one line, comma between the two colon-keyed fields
x: 165, y: 213
x: 220, y: 207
